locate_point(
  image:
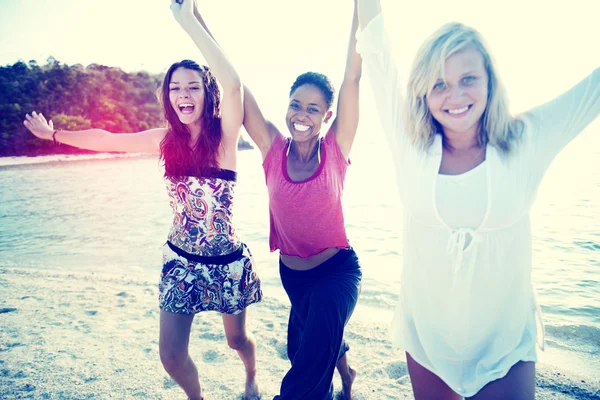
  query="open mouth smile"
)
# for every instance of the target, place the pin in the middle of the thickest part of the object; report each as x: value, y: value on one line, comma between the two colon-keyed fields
x: 300, y: 127
x: 458, y: 112
x: 186, y: 108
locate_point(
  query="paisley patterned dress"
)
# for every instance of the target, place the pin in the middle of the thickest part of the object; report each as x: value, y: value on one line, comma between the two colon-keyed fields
x: 205, y: 265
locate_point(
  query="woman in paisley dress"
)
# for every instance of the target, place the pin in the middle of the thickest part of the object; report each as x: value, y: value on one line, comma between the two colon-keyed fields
x: 205, y: 265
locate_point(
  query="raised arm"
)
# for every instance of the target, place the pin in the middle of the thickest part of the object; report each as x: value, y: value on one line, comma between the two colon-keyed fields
x: 261, y: 131
x: 96, y: 139
x: 367, y: 10
x: 232, y: 111
x: 346, y: 121
x: 374, y: 47
x: 560, y: 120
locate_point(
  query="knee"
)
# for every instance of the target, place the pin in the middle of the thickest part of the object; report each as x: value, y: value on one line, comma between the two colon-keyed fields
x: 172, y: 358
x: 237, y: 342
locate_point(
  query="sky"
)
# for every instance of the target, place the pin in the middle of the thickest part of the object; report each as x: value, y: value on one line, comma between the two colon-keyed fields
x: 542, y: 47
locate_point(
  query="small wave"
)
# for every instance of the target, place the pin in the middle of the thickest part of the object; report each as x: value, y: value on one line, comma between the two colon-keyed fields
x: 588, y: 245
x: 591, y: 283
x: 375, y: 296
x: 582, y: 338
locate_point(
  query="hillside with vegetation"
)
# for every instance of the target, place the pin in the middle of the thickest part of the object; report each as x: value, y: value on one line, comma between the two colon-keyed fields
x: 75, y: 98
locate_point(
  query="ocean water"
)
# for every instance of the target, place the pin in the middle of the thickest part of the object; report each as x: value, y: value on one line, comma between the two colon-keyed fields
x: 111, y: 214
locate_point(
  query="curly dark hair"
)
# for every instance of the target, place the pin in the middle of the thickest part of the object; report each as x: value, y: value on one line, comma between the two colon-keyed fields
x: 179, y: 158
x: 320, y: 81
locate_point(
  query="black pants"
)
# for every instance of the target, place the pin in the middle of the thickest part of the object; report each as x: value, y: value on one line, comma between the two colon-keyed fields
x: 323, y: 299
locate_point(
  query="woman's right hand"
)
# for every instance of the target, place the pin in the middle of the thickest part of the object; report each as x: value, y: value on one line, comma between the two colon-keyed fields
x: 38, y: 125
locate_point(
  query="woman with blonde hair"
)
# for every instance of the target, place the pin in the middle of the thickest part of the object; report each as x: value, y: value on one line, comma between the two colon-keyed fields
x: 467, y: 173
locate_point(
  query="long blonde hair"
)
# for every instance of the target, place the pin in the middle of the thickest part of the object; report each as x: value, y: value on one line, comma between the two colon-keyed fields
x: 498, y: 127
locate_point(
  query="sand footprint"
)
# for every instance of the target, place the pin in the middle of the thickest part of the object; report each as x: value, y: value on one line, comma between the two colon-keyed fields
x: 281, y: 349
x: 151, y: 313
x: 211, y: 356
x: 396, y: 370
x: 169, y: 383
x: 31, y: 297
x: 20, y: 375
x: 27, y: 388
x: 82, y: 326
x: 214, y: 336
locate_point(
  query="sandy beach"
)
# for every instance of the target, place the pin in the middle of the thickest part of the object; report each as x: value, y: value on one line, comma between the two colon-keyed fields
x: 90, y: 335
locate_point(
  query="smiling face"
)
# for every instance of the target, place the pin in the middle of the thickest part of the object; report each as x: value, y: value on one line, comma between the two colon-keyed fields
x: 307, y: 111
x: 186, y: 95
x: 459, y: 101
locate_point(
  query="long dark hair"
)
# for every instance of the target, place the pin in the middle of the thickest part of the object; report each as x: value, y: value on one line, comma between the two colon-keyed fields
x: 179, y: 158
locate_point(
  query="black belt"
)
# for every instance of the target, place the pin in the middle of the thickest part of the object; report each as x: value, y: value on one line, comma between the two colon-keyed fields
x: 218, y: 260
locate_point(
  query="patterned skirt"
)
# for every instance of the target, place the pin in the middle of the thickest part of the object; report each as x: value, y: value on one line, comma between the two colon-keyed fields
x: 190, y: 284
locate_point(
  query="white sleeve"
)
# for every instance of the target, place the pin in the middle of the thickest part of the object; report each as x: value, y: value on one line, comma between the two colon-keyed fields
x: 381, y: 70
x: 559, y: 121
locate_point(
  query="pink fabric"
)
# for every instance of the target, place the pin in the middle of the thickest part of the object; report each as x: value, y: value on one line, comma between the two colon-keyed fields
x: 306, y: 216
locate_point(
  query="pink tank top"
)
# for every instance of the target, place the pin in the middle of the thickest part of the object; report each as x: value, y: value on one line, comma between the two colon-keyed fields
x: 306, y: 216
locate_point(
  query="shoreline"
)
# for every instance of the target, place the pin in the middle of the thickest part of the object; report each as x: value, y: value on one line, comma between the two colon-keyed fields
x: 87, y: 334
x: 15, y: 161
x: 10, y: 161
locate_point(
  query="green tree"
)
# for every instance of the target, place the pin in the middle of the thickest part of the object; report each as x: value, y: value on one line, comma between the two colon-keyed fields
x: 75, y: 98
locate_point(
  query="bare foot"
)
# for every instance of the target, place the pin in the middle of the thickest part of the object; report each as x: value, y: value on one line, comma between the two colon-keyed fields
x: 252, y: 391
x: 347, y: 381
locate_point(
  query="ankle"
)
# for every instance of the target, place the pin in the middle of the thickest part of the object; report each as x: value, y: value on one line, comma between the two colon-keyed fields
x: 250, y: 375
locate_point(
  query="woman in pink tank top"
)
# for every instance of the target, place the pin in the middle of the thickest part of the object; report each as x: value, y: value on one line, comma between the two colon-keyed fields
x: 305, y: 174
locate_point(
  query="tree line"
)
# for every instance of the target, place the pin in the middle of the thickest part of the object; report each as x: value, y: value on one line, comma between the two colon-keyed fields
x: 75, y: 98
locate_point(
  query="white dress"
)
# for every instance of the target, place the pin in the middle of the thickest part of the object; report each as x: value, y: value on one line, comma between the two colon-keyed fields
x: 467, y: 310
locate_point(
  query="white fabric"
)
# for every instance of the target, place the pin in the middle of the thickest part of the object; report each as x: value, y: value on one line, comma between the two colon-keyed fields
x: 462, y: 199
x: 468, y: 312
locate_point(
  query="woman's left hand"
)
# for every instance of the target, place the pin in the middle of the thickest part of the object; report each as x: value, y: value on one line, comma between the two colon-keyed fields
x: 182, y: 10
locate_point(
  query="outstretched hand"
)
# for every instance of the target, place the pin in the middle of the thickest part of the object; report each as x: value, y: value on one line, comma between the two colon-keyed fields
x: 38, y: 125
x: 182, y: 9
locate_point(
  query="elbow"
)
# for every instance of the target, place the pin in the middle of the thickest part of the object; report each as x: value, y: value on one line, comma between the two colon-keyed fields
x: 353, y: 78
x: 234, y: 86
x: 236, y: 92
x: 353, y: 70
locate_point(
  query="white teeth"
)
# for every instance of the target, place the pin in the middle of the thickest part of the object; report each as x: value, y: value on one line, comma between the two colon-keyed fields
x: 186, y: 108
x: 301, y: 128
x: 458, y: 110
